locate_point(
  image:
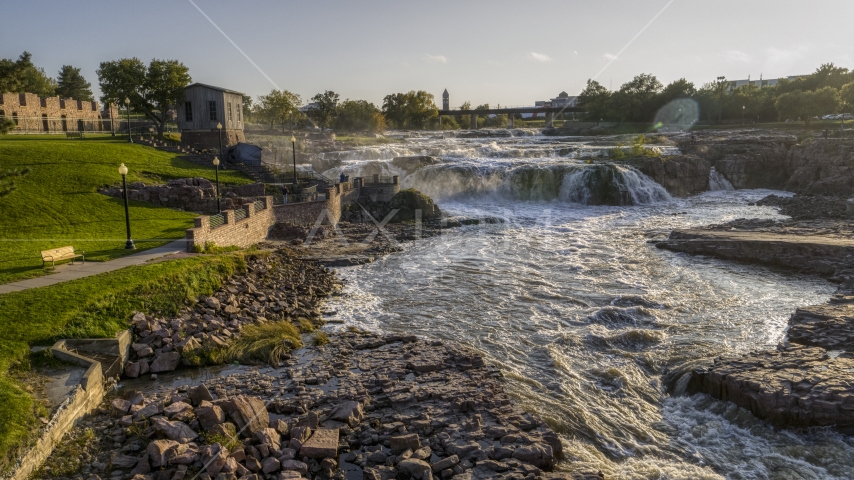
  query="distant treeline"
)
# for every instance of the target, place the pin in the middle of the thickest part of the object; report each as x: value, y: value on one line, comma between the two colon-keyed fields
x: 829, y: 89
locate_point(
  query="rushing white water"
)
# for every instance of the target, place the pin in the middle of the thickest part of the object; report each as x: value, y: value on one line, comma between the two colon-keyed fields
x: 589, y: 322
x: 718, y: 181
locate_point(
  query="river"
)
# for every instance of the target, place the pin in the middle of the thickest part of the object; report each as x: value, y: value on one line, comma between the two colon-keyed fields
x: 593, y: 327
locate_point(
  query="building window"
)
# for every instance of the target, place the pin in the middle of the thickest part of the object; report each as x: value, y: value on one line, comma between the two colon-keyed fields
x: 188, y: 111
x: 94, y: 106
x: 43, y: 101
x: 61, y: 103
x: 239, y: 109
x: 22, y: 99
x: 230, y: 118
x: 79, y: 104
x: 212, y: 110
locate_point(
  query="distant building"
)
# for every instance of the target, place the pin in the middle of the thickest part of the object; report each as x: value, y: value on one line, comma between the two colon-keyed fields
x: 204, y: 108
x: 768, y: 82
x: 563, y: 100
x: 32, y: 113
x: 446, y: 100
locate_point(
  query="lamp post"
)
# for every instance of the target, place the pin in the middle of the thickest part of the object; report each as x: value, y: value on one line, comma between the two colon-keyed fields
x: 219, y: 134
x: 216, y: 164
x: 123, y: 171
x: 294, y: 150
x: 127, y: 108
x: 720, y: 97
x: 742, y: 114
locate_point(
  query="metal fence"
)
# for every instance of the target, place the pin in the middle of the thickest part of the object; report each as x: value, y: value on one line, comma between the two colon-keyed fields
x: 217, y: 220
x: 260, y: 205
x: 240, y: 214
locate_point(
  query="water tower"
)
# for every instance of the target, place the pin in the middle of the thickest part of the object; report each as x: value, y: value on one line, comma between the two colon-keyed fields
x: 446, y: 101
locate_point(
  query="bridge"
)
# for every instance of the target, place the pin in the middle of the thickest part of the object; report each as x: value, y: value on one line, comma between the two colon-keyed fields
x: 549, y: 111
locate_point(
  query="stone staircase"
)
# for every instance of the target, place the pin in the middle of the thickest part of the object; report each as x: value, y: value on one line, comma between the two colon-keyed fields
x: 168, y: 146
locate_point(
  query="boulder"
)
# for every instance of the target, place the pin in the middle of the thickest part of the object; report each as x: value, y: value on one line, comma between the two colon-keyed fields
x: 248, y: 413
x: 119, y: 407
x: 348, y: 412
x: 214, y: 458
x: 157, y: 451
x: 210, y: 416
x: 199, y: 394
x: 415, y: 468
x: 165, y: 362
x: 122, y: 462
x: 178, y: 431
x: 295, y: 465
x: 324, y: 443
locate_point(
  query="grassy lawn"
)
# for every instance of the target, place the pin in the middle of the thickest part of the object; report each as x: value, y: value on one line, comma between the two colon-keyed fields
x: 97, y: 306
x: 58, y: 204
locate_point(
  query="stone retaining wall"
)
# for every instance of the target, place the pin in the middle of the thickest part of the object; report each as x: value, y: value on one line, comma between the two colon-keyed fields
x: 86, y: 397
x: 33, y: 113
x: 241, y: 233
x: 328, y: 211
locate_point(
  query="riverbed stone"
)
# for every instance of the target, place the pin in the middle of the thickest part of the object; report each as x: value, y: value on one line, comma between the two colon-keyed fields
x: 165, y: 362
x: 178, y: 431
x: 157, y: 451
x: 322, y: 443
x: 248, y: 413
x: 400, y: 443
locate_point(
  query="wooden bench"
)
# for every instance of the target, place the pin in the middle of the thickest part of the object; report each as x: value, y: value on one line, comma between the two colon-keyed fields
x: 63, y: 253
x: 73, y: 134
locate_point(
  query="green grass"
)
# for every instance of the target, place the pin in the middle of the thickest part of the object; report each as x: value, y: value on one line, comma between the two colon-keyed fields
x: 97, y: 306
x: 58, y: 204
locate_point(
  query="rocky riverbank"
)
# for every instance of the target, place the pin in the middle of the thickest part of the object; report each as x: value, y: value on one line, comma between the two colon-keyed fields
x: 808, y: 381
x: 363, y: 406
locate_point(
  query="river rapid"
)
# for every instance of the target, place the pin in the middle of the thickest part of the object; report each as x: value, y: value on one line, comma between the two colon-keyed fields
x: 594, y: 329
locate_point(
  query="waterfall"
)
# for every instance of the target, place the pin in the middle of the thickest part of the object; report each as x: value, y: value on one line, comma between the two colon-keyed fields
x: 718, y: 181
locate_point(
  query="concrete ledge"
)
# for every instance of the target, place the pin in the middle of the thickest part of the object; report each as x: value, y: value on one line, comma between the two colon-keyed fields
x: 86, y: 397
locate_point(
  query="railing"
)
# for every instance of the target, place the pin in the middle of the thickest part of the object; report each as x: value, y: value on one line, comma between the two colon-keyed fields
x: 217, y: 220
x: 239, y: 214
x: 260, y: 205
x: 377, y: 180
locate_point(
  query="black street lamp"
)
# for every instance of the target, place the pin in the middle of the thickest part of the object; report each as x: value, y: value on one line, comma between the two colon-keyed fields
x: 127, y: 107
x: 123, y: 171
x: 742, y: 114
x: 294, y: 150
x: 216, y: 164
x: 219, y: 134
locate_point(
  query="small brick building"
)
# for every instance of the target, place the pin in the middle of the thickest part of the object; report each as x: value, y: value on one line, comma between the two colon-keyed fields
x: 35, y: 114
x: 204, y: 107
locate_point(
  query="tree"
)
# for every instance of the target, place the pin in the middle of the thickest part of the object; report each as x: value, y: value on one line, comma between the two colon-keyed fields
x: 22, y: 76
x: 808, y: 104
x: 71, y: 84
x: 464, y: 120
x: 357, y: 116
x: 325, y: 108
x: 846, y: 96
x: 247, y: 107
x: 594, y: 98
x: 635, y: 101
x: 279, y: 107
x: 7, y: 183
x: 152, y: 90
x: 410, y: 110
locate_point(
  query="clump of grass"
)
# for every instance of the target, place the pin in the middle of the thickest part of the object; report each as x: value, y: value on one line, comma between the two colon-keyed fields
x: 635, y: 150
x: 305, y: 326
x: 212, y: 248
x: 319, y: 338
x: 229, y: 442
x: 267, y: 342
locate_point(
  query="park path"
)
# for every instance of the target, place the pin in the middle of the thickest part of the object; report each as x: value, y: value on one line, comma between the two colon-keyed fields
x: 67, y: 272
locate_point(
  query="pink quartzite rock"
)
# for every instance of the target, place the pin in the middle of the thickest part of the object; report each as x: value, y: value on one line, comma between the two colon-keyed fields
x: 165, y: 362
x: 248, y: 413
x: 157, y: 451
x: 324, y: 443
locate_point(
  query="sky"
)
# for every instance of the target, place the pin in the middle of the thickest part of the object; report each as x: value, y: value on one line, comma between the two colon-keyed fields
x: 496, y: 52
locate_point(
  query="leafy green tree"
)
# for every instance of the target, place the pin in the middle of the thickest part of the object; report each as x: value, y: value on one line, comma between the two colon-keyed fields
x: 808, y: 104
x: 71, y: 84
x: 279, y: 107
x: 356, y: 116
x: 449, y: 123
x: 325, y: 108
x: 151, y: 90
x: 247, y: 108
x: 464, y: 120
x: 22, y: 76
x: 635, y: 101
x: 594, y: 99
x: 410, y: 110
x: 6, y: 126
x: 846, y: 96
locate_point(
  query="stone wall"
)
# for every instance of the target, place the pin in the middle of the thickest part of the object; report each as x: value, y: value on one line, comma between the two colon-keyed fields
x: 51, y: 114
x: 377, y: 190
x: 681, y: 175
x: 210, y: 139
x: 83, y: 400
x: 308, y: 213
x: 192, y: 194
x: 240, y: 233
x: 822, y: 167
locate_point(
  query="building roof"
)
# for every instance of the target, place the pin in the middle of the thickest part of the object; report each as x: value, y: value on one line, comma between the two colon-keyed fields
x: 445, y: 93
x: 226, y: 90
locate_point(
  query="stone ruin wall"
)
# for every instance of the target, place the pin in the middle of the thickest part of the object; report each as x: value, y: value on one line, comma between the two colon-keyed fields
x: 240, y: 233
x: 209, y: 139
x: 28, y: 111
x: 191, y: 194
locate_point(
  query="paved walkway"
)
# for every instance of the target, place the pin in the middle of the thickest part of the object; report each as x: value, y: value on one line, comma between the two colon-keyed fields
x: 68, y: 272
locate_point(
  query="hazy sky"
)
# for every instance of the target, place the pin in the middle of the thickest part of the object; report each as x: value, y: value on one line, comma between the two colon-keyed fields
x: 497, y: 52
